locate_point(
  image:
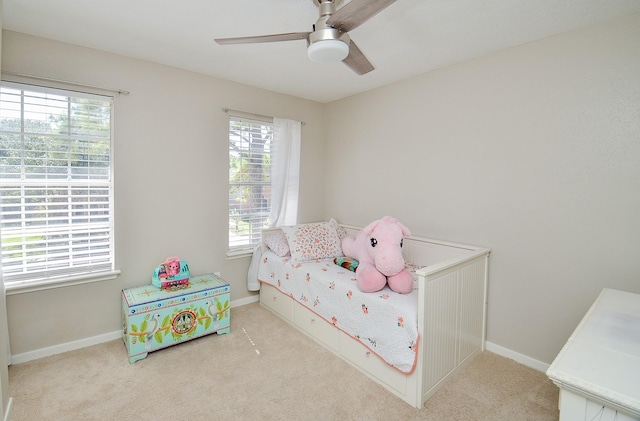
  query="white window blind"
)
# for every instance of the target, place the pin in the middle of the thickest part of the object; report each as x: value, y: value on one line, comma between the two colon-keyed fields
x: 56, y: 191
x: 249, y: 181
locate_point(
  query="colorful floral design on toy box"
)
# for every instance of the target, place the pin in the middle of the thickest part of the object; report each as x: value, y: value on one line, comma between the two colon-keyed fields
x: 154, y: 318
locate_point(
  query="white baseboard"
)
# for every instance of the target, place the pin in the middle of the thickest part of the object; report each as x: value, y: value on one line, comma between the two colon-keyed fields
x: 7, y: 412
x: 245, y: 301
x: 516, y: 356
x: 65, y: 347
x: 106, y: 337
x: 94, y: 340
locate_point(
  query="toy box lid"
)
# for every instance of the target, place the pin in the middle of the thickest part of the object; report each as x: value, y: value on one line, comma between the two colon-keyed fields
x: 150, y: 293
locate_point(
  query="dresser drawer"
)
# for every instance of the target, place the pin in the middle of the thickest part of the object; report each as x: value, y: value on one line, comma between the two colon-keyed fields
x: 355, y: 352
x: 276, y: 301
x: 316, y: 327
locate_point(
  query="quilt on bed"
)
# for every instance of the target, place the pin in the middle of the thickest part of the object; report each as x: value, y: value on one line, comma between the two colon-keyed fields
x: 384, y: 321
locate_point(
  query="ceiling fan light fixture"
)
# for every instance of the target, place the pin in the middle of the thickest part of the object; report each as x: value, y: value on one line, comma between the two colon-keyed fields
x: 328, y: 51
x: 328, y: 45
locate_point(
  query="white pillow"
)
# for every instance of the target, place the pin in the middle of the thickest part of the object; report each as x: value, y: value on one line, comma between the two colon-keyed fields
x: 277, y: 242
x: 320, y: 240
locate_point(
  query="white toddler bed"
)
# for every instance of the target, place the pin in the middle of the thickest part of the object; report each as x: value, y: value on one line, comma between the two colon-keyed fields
x: 410, y: 344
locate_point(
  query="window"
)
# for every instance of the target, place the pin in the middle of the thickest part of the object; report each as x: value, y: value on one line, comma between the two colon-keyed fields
x: 56, y: 186
x: 250, y: 144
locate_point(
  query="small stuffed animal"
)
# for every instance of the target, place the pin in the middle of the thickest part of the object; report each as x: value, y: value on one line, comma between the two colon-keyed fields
x: 378, y: 249
x: 173, y: 266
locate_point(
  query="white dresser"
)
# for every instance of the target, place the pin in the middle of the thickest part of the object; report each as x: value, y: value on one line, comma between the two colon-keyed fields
x: 598, y: 369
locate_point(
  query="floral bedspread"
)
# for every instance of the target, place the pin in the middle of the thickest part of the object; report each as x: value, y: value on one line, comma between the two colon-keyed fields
x: 384, y: 321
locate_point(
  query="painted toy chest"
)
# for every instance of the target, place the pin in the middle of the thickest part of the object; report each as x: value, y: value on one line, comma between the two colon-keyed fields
x: 154, y: 318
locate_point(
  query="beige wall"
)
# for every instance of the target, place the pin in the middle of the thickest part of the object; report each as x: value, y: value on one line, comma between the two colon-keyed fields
x: 171, y: 172
x: 533, y: 152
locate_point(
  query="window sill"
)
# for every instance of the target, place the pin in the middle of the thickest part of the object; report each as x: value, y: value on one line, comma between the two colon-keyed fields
x: 60, y: 283
x: 239, y: 254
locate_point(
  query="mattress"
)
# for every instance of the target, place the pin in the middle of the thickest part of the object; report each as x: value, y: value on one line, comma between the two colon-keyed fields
x: 385, y: 322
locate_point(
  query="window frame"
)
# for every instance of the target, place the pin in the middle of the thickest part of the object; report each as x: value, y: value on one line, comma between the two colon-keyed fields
x: 255, y: 215
x: 107, y: 271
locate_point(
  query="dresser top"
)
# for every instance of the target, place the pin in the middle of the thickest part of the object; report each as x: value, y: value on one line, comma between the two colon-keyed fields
x: 601, y: 359
x: 150, y: 293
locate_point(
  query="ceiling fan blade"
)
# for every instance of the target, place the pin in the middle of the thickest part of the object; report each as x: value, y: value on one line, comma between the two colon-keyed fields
x: 357, y: 12
x: 263, y: 38
x: 357, y: 61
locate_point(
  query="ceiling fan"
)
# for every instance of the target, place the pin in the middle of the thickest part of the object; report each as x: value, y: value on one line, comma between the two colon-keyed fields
x: 329, y: 41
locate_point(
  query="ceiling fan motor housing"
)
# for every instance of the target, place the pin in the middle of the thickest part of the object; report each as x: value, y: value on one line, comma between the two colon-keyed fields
x: 327, y: 44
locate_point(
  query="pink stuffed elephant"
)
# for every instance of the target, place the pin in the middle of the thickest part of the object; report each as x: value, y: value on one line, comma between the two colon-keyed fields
x: 378, y: 249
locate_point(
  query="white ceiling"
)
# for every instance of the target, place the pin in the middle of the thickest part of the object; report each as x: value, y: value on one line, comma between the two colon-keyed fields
x: 410, y: 37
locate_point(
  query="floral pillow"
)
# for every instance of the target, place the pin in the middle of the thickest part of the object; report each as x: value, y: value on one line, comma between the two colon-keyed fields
x: 277, y: 242
x: 341, y: 233
x: 319, y: 240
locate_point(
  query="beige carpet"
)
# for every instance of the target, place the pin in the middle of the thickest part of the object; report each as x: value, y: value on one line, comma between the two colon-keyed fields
x: 291, y: 378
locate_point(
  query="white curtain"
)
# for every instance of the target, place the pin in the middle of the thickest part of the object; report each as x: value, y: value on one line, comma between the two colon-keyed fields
x: 285, y: 181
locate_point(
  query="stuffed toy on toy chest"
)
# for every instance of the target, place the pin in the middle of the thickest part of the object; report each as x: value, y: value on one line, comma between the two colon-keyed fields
x: 378, y: 249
